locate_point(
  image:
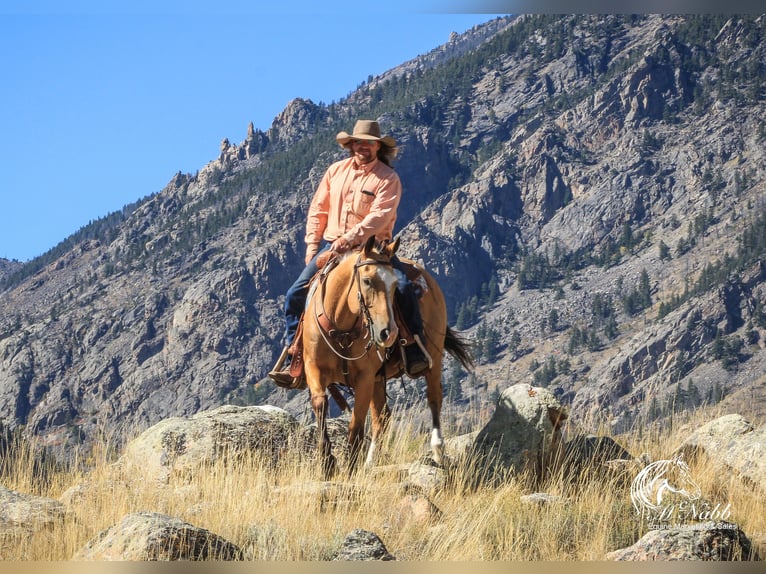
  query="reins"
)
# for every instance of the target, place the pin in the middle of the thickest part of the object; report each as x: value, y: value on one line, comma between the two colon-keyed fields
x: 329, y: 331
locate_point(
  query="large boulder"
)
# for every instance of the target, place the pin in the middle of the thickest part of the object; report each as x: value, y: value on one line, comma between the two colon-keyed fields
x: 590, y: 456
x: 176, y: 446
x: 706, y: 542
x: 735, y: 444
x: 143, y: 536
x: 523, y: 434
x: 21, y: 512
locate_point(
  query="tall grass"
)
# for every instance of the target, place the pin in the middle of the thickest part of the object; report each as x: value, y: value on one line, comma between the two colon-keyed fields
x: 279, y: 513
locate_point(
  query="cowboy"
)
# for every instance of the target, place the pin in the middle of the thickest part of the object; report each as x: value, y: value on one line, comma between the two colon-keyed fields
x: 356, y: 199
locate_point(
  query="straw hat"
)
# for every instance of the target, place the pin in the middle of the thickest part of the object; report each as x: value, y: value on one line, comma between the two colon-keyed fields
x: 365, y: 130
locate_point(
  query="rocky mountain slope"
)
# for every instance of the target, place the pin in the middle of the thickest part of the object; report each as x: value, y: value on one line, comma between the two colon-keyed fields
x: 588, y: 190
x: 8, y: 267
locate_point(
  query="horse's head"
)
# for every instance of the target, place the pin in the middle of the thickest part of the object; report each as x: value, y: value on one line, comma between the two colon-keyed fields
x: 377, y: 283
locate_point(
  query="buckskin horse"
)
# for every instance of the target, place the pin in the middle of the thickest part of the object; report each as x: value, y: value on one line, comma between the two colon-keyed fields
x: 350, y: 336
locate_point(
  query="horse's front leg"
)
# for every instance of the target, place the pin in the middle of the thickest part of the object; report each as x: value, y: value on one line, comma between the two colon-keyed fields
x: 434, y: 395
x: 381, y: 414
x: 320, y: 405
x: 362, y: 398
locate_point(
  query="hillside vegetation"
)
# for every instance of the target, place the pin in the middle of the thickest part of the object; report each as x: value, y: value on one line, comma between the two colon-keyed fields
x: 282, y: 513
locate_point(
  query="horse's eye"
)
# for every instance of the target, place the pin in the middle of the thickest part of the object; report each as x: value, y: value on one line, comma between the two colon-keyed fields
x: 367, y: 282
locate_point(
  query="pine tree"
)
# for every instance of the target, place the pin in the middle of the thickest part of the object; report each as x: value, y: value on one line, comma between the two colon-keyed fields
x: 664, y: 251
x: 644, y: 290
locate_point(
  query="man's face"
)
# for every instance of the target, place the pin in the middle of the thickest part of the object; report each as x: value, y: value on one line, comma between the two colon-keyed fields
x: 365, y: 150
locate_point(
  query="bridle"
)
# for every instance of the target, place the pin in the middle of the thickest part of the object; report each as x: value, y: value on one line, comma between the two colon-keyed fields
x: 346, y: 338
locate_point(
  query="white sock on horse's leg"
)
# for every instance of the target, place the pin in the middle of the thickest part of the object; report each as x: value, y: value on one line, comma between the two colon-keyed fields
x: 437, y: 445
x: 370, y: 455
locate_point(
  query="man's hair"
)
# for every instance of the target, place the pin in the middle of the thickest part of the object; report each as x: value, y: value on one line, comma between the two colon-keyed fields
x: 387, y: 154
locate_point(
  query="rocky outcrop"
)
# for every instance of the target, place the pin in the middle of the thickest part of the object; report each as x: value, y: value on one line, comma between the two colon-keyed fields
x: 732, y: 443
x: 707, y: 542
x: 177, y: 446
x: 524, y: 433
x: 585, y: 457
x: 25, y: 513
x: 150, y: 536
x: 363, y: 545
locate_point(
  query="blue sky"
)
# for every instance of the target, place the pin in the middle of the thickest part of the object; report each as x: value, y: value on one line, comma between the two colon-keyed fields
x: 101, y: 103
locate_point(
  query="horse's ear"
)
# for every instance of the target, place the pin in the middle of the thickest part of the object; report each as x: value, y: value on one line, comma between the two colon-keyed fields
x: 369, y: 244
x: 392, y: 247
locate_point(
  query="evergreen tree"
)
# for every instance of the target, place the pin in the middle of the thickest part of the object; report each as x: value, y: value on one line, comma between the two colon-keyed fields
x: 644, y: 290
x: 664, y: 251
x: 553, y: 320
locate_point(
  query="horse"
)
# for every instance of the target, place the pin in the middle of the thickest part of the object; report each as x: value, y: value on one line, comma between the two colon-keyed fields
x: 350, y: 335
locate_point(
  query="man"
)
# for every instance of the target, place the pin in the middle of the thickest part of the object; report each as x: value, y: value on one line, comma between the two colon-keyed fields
x: 356, y: 199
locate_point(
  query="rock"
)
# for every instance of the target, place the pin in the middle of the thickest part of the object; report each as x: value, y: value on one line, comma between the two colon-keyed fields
x: 734, y: 443
x: 523, y: 433
x: 337, y: 430
x: 362, y: 545
x: 459, y: 447
x: 416, y: 507
x: 27, y: 513
x: 704, y: 542
x: 592, y: 456
x: 75, y: 495
x: 427, y: 475
x: 143, y: 536
x: 178, y: 445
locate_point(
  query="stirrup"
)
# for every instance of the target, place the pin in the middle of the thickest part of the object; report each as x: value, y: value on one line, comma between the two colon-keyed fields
x: 285, y: 380
x: 282, y: 377
x: 281, y: 360
x: 416, y: 366
x: 426, y: 354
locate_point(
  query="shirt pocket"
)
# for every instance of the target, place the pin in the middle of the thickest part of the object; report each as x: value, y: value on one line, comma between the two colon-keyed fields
x: 363, y: 201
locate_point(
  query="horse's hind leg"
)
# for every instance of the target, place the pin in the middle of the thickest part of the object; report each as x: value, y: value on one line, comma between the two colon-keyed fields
x: 381, y: 414
x: 434, y: 395
x: 324, y: 448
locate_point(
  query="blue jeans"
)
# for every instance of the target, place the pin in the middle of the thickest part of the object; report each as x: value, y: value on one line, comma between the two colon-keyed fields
x: 295, y: 298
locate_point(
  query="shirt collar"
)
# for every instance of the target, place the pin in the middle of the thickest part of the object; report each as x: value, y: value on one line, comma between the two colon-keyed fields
x: 366, y: 167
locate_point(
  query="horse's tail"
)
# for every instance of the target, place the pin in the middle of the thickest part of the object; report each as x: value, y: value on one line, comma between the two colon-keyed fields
x: 458, y: 347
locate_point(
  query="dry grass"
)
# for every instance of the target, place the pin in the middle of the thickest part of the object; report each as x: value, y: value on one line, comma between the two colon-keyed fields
x: 276, y: 513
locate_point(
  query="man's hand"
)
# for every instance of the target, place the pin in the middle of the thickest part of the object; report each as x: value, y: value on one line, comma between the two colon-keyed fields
x: 340, y: 245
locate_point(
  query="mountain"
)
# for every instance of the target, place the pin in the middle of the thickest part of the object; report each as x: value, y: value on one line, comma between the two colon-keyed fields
x: 588, y: 190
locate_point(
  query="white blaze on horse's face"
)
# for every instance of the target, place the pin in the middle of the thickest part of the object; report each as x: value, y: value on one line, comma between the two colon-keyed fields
x: 378, y: 284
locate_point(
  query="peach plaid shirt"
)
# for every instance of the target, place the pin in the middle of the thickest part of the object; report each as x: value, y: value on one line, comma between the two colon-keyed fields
x: 354, y: 202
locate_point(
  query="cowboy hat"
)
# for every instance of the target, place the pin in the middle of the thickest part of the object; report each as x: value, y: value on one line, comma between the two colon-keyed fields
x: 365, y: 130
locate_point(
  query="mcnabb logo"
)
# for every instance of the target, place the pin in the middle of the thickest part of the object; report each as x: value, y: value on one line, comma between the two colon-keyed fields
x: 665, y: 494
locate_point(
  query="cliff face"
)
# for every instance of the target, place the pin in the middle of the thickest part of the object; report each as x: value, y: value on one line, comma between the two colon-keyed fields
x: 574, y: 185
